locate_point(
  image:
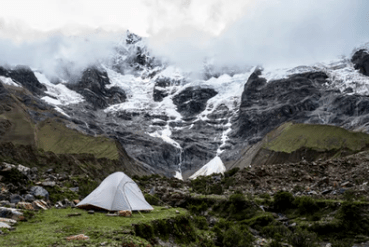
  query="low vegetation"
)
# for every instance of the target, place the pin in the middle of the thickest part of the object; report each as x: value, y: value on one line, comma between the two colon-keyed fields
x: 291, y: 137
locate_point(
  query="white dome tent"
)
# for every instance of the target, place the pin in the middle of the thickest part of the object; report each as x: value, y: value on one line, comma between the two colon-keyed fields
x: 117, y: 192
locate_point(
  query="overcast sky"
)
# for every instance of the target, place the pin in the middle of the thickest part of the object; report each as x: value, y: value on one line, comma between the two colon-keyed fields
x: 268, y: 32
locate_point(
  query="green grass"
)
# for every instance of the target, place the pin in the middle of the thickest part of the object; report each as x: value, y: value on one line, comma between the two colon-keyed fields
x: 53, y: 226
x: 22, y: 129
x: 291, y: 137
x: 57, y: 138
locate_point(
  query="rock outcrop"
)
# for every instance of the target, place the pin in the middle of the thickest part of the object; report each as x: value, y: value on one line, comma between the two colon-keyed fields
x: 361, y: 61
x: 191, y: 101
x: 24, y: 76
x: 92, y: 86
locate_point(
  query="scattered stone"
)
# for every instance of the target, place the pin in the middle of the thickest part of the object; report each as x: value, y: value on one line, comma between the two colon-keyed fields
x: 125, y: 213
x: 177, y: 212
x: 328, y: 245
x: 77, y: 237
x: 49, y: 170
x: 293, y: 225
x: 48, y: 183
x: 34, y: 170
x: 90, y: 211
x: 152, y: 191
x: 324, y: 192
x: 341, y: 191
x: 312, y: 192
x: 59, y: 204
x: 74, y: 189
x: 347, y: 184
x: 67, y: 203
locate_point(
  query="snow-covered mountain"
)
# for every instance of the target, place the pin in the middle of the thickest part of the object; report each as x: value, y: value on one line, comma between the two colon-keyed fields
x: 176, y: 125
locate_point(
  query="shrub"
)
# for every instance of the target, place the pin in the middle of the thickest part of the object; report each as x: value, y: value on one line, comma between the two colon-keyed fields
x: 237, y: 236
x: 260, y: 221
x: 349, y: 195
x: 201, y: 223
x: 161, y: 229
x: 216, y: 189
x: 153, y: 200
x: 283, y: 201
x: 231, y: 172
x: 145, y: 231
x: 343, y: 243
x: 275, y: 231
x: 275, y: 243
x: 238, y: 200
x: 306, y: 205
x: 198, y: 209
x: 302, y: 238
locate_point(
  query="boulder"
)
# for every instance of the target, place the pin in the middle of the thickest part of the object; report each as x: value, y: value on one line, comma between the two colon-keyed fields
x: 15, y: 198
x: 25, y: 170
x: 29, y: 198
x: 4, y: 225
x: 10, y: 213
x: 8, y: 221
x: 40, y: 204
x: 39, y: 191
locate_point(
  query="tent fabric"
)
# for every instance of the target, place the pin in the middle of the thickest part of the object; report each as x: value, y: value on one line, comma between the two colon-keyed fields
x: 116, y: 192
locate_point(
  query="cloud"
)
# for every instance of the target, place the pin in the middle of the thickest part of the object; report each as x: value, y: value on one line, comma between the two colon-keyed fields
x: 55, y: 53
x: 50, y: 35
x: 272, y: 33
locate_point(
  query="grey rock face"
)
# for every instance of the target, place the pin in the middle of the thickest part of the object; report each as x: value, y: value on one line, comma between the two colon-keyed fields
x: 160, y: 89
x: 361, y: 61
x: 264, y: 106
x: 192, y: 101
x: 26, y: 77
x: 300, y: 98
x: 92, y: 87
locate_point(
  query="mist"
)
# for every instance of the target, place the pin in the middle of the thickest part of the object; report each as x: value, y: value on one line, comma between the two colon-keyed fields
x: 270, y: 33
x: 58, y: 55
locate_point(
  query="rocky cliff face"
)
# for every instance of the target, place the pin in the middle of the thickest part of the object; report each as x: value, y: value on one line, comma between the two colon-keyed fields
x: 172, y: 124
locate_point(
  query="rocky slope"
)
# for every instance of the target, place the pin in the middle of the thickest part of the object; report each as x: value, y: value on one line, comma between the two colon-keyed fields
x: 170, y: 123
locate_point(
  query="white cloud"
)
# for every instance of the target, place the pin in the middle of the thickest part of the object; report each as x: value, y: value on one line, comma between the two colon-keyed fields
x: 41, y: 33
x: 273, y: 33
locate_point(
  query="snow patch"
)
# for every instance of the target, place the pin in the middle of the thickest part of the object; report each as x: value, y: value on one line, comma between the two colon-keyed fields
x: 213, y: 166
x: 59, y: 94
x: 9, y: 81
